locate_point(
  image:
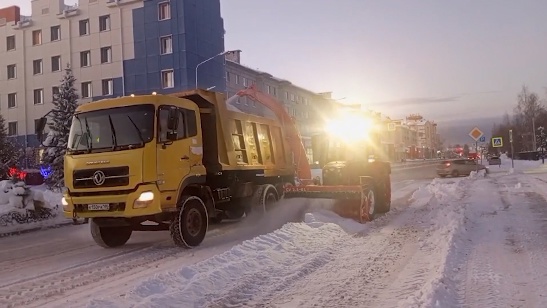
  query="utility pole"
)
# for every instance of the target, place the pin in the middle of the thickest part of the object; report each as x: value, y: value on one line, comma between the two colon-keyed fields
x: 512, y: 151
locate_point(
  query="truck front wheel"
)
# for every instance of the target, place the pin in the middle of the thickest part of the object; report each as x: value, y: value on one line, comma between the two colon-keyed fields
x: 190, y: 224
x: 110, y: 237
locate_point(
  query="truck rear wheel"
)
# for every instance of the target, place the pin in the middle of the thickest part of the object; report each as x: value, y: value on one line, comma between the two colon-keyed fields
x: 264, y: 198
x: 110, y: 237
x: 190, y: 224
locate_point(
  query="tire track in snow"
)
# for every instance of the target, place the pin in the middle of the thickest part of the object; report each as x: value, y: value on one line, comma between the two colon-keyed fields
x: 502, y: 257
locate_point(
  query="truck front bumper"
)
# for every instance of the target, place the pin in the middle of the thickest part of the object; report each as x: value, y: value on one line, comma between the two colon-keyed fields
x: 144, y: 201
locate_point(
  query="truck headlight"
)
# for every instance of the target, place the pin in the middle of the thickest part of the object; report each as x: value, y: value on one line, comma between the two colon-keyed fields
x: 64, y: 203
x: 144, y: 200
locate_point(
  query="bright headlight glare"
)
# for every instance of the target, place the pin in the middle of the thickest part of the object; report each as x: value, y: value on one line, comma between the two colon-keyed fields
x: 350, y: 127
x: 146, y: 196
x: 64, y: 203
x: 144, y: 200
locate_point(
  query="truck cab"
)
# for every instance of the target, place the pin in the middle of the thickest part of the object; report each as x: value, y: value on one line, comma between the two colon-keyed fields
x: 176, y: 161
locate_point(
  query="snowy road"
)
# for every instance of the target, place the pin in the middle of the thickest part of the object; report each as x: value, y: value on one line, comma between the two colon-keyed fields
x: 465, y: 242
x: 63, y: 267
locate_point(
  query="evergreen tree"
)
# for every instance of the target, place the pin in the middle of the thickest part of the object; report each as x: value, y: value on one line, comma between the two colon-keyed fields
x: 9, y: 154
x: 65, y: 104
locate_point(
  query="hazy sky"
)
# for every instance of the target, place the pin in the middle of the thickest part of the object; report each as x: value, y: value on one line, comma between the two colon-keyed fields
x: 443, y: 59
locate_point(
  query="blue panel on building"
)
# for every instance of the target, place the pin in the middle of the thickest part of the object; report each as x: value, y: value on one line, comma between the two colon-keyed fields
x: 198, y: 34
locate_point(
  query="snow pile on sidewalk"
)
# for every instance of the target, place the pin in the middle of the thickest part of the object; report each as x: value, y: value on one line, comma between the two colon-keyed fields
x: 22, y: 210
x: 319, y: 263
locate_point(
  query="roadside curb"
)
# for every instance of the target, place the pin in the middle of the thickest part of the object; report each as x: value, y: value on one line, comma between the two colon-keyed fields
x: 36, y: 229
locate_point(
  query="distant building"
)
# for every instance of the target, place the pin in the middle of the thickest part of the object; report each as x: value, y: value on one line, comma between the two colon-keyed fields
x: 115, y: 48
x: 428, y: 143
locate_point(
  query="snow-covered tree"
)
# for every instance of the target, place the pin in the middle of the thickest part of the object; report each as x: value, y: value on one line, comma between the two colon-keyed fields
x: 65, y: 104
x: 9, y: 154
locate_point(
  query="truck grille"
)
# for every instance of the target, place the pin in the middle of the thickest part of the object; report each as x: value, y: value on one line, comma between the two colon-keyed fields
x: 102, y: 177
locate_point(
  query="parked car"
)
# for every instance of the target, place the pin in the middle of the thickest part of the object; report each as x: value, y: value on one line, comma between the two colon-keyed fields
x: 458, y: 167
x: 494, y: 160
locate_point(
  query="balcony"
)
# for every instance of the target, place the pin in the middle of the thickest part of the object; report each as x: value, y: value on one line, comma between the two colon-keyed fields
x: 69, y: 11
x: 24, y: 22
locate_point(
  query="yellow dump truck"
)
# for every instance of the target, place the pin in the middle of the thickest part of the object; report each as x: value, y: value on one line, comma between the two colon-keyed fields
x: 170, y: 162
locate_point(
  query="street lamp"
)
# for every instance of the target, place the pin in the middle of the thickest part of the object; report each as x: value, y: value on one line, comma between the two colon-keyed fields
x: 211, y: 58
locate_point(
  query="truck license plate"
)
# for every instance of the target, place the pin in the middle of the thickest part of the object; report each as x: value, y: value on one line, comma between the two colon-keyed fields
x: 98, y: 207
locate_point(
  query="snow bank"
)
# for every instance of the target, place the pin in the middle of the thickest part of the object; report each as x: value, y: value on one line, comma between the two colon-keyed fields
x: 37, y: 209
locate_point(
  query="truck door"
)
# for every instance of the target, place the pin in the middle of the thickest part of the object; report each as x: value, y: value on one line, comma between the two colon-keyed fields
x: 177, y: 150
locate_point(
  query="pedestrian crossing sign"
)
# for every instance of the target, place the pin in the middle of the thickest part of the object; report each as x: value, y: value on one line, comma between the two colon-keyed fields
x: 497, y: 142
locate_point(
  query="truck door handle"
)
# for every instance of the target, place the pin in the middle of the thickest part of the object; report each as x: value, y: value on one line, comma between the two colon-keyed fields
x: 184, y: 157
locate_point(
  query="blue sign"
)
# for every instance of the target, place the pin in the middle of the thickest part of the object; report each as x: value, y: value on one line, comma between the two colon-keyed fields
x: 482, y: 139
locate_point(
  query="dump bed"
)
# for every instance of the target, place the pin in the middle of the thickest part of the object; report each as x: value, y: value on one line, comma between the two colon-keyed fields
x: 234, y: 139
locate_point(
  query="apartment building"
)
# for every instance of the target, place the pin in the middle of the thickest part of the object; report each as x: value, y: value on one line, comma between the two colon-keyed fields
x: 308, y: 108
x: 428, y: 143
x: 114, y: 47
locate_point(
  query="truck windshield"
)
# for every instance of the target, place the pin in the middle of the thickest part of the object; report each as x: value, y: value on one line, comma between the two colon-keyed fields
x: 113, y: 129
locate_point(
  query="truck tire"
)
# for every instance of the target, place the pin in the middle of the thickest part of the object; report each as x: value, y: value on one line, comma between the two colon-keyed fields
x: 110, y: 237
x: 383, y: 195
x: 264, y: 198
x: 368, y: 208
x: 190, y: 224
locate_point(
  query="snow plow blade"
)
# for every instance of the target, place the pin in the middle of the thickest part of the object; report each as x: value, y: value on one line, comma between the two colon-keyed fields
x: 356, y: 201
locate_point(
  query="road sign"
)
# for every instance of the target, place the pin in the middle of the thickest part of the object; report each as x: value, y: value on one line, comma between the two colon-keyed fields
x: 391, y: 127
x: 482, y: 139
x: 511, y: 135
x: 476, y: 134
x: 497, y: 142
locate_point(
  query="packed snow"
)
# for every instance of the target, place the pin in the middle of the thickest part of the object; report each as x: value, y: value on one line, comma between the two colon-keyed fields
x: 473, y: 241
x: 25, y: 208
x: 476, y: 241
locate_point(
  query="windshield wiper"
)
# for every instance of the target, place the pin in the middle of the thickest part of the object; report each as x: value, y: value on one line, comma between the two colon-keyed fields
x: 138, y: 130
x: 114, y: 139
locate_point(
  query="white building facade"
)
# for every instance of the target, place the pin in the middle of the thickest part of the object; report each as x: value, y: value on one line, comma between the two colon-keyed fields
x: 114, y: 47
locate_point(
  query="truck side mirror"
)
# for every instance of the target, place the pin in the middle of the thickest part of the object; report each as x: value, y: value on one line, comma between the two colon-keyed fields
x: 40, y: 126
x: 173, y: 119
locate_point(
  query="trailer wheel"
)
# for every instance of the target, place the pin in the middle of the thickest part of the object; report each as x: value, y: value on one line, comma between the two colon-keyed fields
x: 110, y: 237
x: 368, y: 208
x: 190, y: 224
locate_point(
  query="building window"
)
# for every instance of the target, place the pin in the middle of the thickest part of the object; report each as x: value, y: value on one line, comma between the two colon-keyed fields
x: 167, y: 79
x: 38, y: 96
x: 164, y: 11
x: 37, y: 37
x: 84, y: 27
x: 237, y: 78
x: 10, y: 43
x: 55, y: 91
x: 272, y: 90
x: 87, y: 90
x: 104, y: 23
x: 12, y: 71
x: 227, y: 76
x: 55, y: 33
x: 85, y: 58
x: 106, y: 54
x: 12, y: 100
x: 37, y: 67
x: 12, y: 129
x: 166, y: 45
x: 245, y: 82
x: 56, y: 64
x: 108, y: 86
